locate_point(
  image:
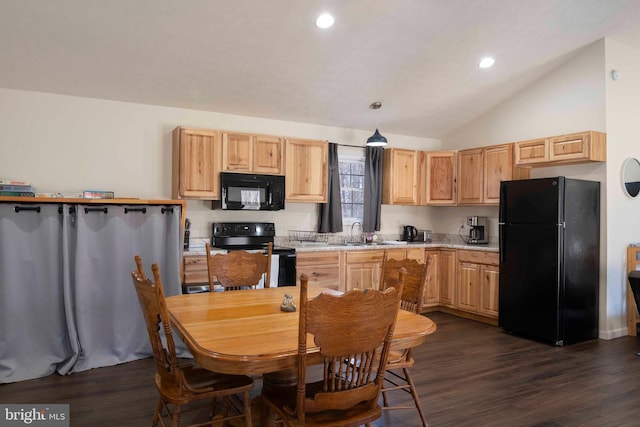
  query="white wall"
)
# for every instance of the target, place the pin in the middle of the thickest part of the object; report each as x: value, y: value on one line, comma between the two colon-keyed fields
x: 623, y: 219
x: 579, y: 95
x: 69, y: 144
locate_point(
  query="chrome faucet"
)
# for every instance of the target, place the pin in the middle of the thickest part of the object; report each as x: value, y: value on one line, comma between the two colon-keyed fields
x: 353, y: 225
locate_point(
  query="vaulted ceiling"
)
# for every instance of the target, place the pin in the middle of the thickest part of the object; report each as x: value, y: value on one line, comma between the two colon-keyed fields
x: 268, y: 59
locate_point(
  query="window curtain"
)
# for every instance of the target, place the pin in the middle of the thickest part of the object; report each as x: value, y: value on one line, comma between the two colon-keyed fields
x: 372, y: 188
x: 330, y: 213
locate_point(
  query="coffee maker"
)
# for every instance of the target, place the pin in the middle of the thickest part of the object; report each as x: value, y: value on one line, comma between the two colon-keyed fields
x: 478, y: 230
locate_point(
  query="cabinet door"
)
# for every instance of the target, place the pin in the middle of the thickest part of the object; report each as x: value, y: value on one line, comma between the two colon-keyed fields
x: 306, y: 171
x: 237, y: 152
x: 432, y: 293
x: 322, y: 268
x: 363, y: 275
x: 363, y: 269
x: 470, y: 177
x: 447, y: 276
x: 441, y: 178
x: 532, y: 151
x: 423, y: 178
x: 468, y: 286
x: 489, y: 279
x: 268, y: 154
x: 196, y: 164
x: 400, y: 177
x: 498, y: 166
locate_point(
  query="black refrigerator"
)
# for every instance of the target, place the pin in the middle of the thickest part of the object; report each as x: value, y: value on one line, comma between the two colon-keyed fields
x: 549, y: 236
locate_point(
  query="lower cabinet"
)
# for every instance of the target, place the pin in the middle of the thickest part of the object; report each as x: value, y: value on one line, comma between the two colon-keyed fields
x: 477, y: 282
x: 463, y: 282
x: 322, y: 268
x: 194, y: 270
x: 447, y: 277
x: 432, y: 293
x: 363, y: 269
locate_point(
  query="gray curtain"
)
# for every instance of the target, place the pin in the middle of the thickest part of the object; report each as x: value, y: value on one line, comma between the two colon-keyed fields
x: 372, y: 188
x: 330, y: 213
x: 110, y: 326
x: 34, y: 340
x: 67, y: 302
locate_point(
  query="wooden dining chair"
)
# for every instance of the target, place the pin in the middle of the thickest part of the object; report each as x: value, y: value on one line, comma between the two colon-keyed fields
x: 343, y: 329
x: 183, y: 387
x: 139, y: 266
x: 398, y: 376
x: 239, y: 269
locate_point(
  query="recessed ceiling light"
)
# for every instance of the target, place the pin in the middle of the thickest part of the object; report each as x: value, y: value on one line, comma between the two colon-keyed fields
x: 486, y: 62
x: 324, y: 21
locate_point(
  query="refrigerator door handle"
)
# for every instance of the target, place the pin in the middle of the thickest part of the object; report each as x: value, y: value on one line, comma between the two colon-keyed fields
x: 501, y: 241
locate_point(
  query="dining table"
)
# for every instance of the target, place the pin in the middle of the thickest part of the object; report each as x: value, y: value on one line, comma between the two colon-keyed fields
x: 246, y: 332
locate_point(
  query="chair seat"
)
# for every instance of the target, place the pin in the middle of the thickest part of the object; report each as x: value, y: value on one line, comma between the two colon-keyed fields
x: 286, y: 398
x: 199, y: 378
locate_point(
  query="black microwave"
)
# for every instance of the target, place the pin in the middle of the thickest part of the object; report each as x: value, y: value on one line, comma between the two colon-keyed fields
x: 245, y: 191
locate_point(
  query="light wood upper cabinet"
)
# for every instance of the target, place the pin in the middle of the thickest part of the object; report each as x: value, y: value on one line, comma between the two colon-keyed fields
x: 499, y: 166
x: 578, y: 147
x: 243, y: 152
x: 482, y: 169
x: 306, y: 170
x: 441, y: 178
x: 471, y: 177
x: 268, y: 153
x: 196, y: 164
x: 532, y: 152
x: 400, y: 177
x: 581, y: 147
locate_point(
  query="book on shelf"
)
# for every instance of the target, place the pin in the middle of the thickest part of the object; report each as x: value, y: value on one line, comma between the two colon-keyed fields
x: 98, y: 194
x: 14, y: 182
x: 14, y: 187
x: 17, y: 194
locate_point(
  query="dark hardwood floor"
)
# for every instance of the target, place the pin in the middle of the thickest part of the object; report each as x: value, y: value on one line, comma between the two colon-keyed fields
x: 467, y: 374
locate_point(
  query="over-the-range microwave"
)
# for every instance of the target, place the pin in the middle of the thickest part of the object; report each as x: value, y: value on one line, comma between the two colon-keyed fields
x: 245, y: 191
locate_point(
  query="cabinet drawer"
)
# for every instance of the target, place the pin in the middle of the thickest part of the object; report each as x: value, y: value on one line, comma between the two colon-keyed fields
x: 478, y: 257
x: 364, y: 256
x: 304, y: 259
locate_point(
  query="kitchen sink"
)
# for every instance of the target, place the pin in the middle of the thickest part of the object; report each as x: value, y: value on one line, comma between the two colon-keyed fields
x: 347, y: 244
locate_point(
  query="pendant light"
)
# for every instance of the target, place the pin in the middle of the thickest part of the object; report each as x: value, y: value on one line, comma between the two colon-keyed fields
x: 376, y: 140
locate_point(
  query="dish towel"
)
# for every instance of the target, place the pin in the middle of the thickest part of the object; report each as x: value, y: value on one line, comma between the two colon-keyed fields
x: 250, y: 199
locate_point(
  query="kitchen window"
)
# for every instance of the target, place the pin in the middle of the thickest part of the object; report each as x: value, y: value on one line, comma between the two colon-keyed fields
x: 352, y: 188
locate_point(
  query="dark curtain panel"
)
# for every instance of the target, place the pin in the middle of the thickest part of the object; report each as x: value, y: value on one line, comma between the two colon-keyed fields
x: 372, y: 188
x: 330, y: 213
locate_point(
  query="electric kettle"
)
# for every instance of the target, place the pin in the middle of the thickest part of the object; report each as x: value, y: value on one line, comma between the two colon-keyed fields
x: 409, y: 233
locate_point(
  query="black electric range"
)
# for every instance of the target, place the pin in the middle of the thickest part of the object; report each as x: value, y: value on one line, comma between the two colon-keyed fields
x: 256, y: 236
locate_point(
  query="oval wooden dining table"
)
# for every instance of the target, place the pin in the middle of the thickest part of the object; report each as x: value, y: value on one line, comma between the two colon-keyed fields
x: 245, y: 332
